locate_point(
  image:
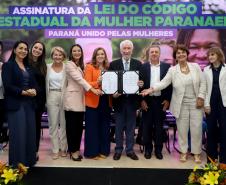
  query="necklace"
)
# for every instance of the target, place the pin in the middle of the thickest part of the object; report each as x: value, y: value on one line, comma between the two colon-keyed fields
x: 184, y: 69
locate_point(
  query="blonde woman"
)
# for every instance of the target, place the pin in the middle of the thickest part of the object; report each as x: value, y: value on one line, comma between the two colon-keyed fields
x: 55, y: 83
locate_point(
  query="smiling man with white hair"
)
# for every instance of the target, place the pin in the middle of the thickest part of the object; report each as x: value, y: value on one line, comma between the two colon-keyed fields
x: 125, y: 106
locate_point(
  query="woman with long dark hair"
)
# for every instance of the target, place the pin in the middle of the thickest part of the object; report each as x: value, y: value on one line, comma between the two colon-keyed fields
x: 20, y: 90
x: 37, y: 61
x: 74, y: 100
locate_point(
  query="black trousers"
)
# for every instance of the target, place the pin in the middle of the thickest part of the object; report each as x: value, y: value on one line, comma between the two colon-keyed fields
x: 153, y: 125
x: 216, y: 132
x: 74, y: 128
x: 38, y: 119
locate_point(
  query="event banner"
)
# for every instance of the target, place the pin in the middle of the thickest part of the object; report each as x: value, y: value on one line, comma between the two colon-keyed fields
x: 112, y: 20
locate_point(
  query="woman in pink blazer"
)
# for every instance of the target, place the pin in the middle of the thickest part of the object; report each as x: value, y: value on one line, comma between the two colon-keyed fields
x: 74, y: 100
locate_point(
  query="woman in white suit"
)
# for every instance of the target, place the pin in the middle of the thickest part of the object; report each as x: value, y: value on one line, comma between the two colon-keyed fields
x: 189, y: 88
x: 215, y: 104
x: 55, y: 85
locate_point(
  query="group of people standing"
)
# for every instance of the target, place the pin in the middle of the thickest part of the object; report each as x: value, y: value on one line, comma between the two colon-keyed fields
x: 29, y: 84
x: 192, y: 92
x: 71, y: 92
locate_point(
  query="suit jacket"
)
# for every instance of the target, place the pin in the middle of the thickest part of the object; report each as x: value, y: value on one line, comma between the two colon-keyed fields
x: 145, y: 76
x: 222, y: 84
x: 133, y: 100
x: 173, y: 76
x: 12, y: 78
x: 47, y: 83
x: 74, y: 98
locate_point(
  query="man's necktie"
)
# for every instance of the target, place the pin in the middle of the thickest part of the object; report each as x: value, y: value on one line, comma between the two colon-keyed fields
x: 126, y: 66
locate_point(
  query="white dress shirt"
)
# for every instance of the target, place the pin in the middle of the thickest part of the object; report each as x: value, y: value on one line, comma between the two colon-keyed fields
x: 124, y: 64
x: 155, y: 77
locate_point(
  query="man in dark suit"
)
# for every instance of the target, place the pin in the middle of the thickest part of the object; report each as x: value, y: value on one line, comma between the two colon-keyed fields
x: 125, y: 106
x: 154, y: 105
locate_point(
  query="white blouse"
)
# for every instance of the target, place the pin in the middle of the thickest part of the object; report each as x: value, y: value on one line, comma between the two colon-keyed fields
x: 55, y: 79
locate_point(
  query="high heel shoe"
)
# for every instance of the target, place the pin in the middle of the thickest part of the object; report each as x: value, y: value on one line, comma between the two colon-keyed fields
x: 80, y: 156
x: 37, y: 156
x: 183, y: 157
x: 197, y: 158
x: 63, y: 154
x: 75, y: 158
x: 55, y: 156
x: 102, y: 156
x: 95, y: 158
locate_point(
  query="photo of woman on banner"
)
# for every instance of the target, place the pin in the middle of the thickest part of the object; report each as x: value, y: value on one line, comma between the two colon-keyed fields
x: 199, y: 41
x: 90, y: 44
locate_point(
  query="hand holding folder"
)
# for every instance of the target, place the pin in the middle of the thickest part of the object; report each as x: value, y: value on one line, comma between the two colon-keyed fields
x: 122, y: 82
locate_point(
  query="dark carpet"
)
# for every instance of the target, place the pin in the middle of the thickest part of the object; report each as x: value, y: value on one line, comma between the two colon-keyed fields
x: 105, y: 176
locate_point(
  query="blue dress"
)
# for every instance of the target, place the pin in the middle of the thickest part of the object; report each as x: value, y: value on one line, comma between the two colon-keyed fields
x: 20, y: 114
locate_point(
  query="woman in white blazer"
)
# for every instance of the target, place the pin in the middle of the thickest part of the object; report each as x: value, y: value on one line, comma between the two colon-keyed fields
x: 215, y: 104
x: 187, y: 100
x: 74, y: 100
x: 55, y: 85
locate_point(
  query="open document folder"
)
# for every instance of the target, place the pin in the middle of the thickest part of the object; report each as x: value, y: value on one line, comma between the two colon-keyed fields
x: 124, y: 82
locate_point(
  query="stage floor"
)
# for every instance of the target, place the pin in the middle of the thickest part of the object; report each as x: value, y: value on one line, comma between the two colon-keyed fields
x: 170, y: 160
